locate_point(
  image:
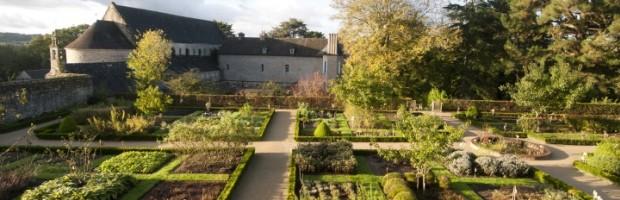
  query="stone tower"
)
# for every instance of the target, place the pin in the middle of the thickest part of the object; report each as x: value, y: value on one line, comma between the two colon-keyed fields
x: 57, y: 58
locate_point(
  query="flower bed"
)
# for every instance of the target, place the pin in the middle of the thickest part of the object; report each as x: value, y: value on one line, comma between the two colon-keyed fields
x: 521, y: 148
x: 135, y: 162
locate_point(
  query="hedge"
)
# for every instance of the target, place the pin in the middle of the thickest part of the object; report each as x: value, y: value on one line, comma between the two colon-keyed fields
x: 299, y: 138
x: 565, y: 141
x: 234, y: 177
x: 266, y: 122
x: 510, y: 106
x: 292, y: 179
x: 596, y: 171
x: 544, y: 177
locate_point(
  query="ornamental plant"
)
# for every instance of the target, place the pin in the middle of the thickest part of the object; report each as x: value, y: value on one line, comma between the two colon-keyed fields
x: 135, y: 162
x: 82, y: 186
x: 322, y: 130
x: 606, y: 157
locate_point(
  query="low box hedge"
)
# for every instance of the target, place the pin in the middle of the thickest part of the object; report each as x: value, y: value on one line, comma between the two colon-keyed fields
x: 236, y: 175
x: 351, y: 138
x: 293, y: 185
x: 25, y: 123
x: 596, y: 171
x: 567, y: 140
x: 544, y: 177
x: 264, y: 125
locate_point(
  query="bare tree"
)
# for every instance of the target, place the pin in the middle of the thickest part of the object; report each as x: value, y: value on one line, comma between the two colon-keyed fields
x: 313, y: 85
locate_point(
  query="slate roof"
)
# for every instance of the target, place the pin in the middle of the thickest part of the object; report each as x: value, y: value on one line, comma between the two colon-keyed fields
x: 36, y: 73
x: 181, y: 64
x: 304, y: 47
x: 101, y: 35
x: 179, y: 29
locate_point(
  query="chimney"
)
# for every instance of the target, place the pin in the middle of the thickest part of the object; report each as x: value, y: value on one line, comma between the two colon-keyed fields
x: 241, y: 35
x: 332, y: 44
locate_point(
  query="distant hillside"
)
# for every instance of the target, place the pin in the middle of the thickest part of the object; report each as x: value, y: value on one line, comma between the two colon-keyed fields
x: 15, y: 38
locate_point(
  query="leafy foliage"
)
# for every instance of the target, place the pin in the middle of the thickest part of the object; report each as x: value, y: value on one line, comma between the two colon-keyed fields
x: 82, y: 186
x: 467, y: 164
x: 151, y: 101
x: 293, y: 28
x: 226, y: 29
x: 325, y: 157
x: 150, y: 59
x: 135, y: 162
x: 67, y: 125
x: 606, y: 157
x: 120, y: 122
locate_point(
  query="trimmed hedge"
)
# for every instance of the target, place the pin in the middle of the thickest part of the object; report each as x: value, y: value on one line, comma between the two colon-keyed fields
x: 158, y: 135
x: 510, y: 106
x: 234, y: 177
x: 544, y: 177
x: 351, y: 139
x: 395, y: 187
x: 565, y: 141
x: 266, y: 122
x: 292, y: 179
x: 596, y: 171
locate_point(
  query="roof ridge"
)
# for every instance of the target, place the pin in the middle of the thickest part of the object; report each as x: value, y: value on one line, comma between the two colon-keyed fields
x: 160, y: 12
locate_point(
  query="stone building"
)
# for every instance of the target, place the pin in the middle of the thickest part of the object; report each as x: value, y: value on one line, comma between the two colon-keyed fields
x: 198, y: 45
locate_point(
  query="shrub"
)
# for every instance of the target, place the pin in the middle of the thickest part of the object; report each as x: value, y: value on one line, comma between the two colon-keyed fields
x: 511, y: 166
x: 322, y: 130
x: 67, y: 125
x: 489, y: 166
x: 120, y: 121
x: 134, y: 162
x: 395, y: 187
x: 82, y: 186
x: 326, y: 157
x: 461, y: 163
x: 528, y: 122
x: 472, y: 113
x: 606, y: 157
x: 444, y: 182
x: 552, y: 194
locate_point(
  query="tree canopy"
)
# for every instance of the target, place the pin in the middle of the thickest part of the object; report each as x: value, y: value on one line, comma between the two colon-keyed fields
x: 293, y: 28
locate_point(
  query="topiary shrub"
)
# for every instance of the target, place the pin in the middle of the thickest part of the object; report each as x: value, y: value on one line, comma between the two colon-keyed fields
x: 511, y: 166
x: 472, y: 113
x: 488, y: 165
x: 606, y: 157
x: 67, y: 125
x: 444, y: 182
x: 395, y: 187
x: 321, y: 130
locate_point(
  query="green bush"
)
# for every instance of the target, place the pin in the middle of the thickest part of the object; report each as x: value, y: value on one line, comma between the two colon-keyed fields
x: 67, y: 125
x: 135, y: 162
x: 606, y: 157
x: 472, y: 113
x: 596, y: 171
x: 82, y: 186
x: 321, y: 130
x: 395, y: 187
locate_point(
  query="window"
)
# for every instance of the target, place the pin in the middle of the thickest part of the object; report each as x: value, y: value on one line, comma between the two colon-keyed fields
x: 172, y: 51
x: 286, y: 68
x: 291, y: 51
x: 262, y: 67
x: 264, y: 50
x: 227, y: 67
x: 324, y: 71
x: 193, y: 51
x: 186, y: 51
x: 200, y: 52
x: 180, y: 51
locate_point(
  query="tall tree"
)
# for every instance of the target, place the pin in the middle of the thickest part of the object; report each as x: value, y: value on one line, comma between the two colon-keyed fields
x: 226, y: 29
x: 293, y: 28
x: 147, y: 64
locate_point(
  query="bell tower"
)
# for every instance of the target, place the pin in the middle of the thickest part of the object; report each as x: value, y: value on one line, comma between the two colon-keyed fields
x: 57, y: 58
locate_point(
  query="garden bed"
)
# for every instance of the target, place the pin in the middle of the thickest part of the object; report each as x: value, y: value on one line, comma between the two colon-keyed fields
x: 178, y: 190
x: 517, y: 147
x: 492, y: 192
x: 211, y: 162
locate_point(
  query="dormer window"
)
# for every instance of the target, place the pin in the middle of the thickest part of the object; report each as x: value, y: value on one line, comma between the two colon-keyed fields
x: 292, y: 51
x: 264, y: 50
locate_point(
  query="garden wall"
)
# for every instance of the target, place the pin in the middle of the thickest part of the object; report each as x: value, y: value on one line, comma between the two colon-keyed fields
x: 32, y: 98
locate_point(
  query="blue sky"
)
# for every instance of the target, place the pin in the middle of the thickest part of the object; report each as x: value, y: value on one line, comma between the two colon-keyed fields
x: 248, y: 16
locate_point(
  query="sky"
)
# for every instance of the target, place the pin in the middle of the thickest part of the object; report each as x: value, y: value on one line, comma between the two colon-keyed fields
x: 247, y: 16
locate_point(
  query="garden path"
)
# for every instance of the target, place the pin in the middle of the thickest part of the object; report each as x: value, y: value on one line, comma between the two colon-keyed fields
x: 560, y: 165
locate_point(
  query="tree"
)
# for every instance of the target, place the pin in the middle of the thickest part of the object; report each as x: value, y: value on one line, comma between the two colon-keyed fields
x: 151, y: 100
x: 226, y: 29
x: 184, y: 84
x: 147, y: 64
x: 428, y: 142
x: 558, y: 89
x: 293, y: 28
x: 150, y: 59
x: 313, y: 85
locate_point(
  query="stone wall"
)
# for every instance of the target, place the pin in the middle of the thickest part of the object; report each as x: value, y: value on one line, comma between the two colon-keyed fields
x: 248, y: 68
x: 107, y: 78
x: 29, y: 99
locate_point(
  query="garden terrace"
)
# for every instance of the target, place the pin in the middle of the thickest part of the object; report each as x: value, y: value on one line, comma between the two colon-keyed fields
x: 146, y: 174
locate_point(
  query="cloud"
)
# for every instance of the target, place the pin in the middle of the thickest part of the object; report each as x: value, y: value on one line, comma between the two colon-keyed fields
x: 248, y: 16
